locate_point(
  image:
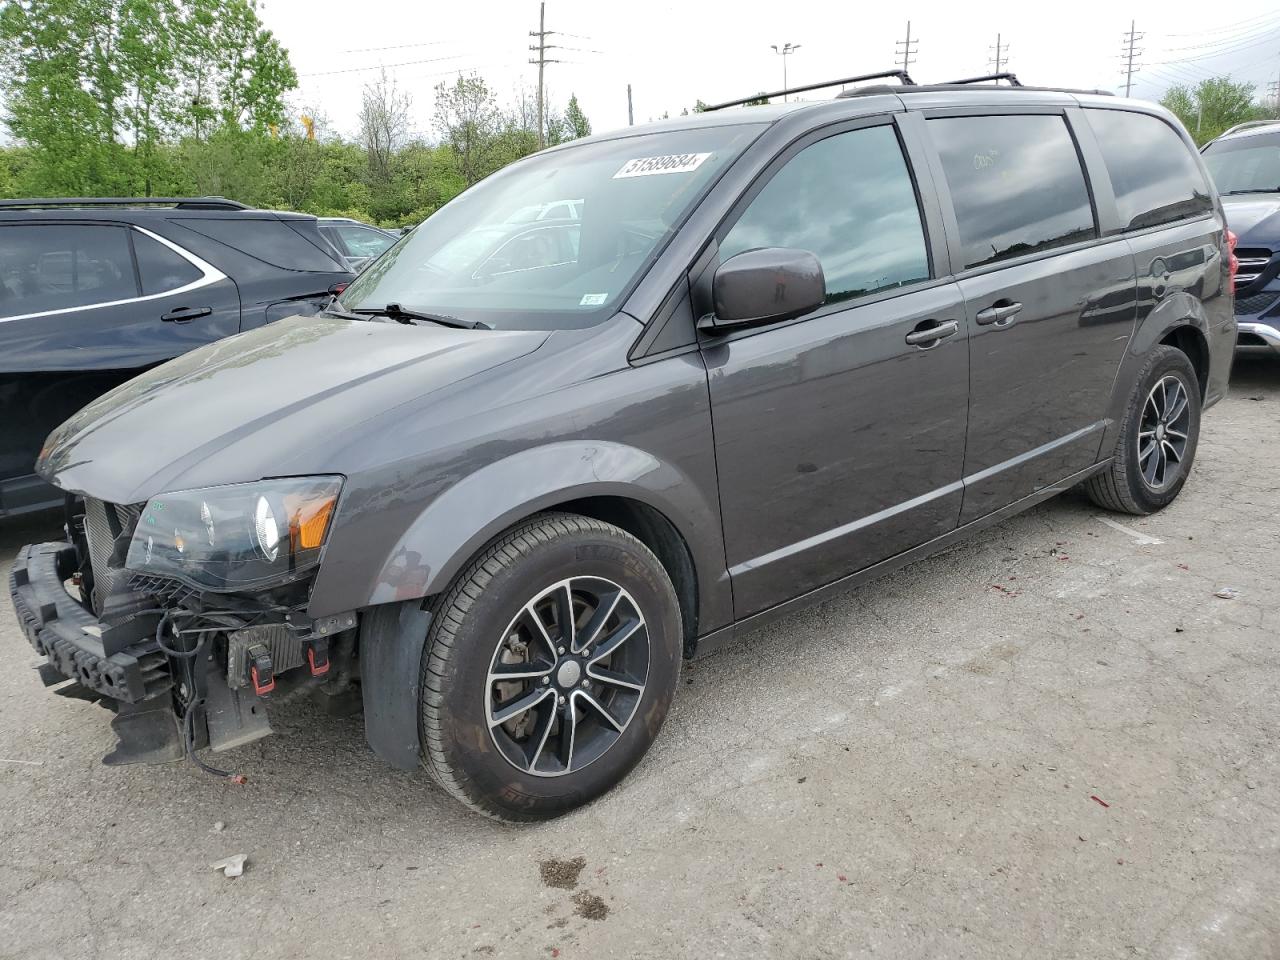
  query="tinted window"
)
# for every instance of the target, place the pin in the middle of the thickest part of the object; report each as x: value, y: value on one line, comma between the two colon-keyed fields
x: 1245, y: 164
x: 54, y: 266
x: 1016, y: 184
x: 159, y: 267
x: 1155, y: 177
x: 849, y: 199
x: 271, y: 241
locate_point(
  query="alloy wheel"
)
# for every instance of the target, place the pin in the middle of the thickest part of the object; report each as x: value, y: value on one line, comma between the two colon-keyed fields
x: 1163, y: 432
x: 567, y: 676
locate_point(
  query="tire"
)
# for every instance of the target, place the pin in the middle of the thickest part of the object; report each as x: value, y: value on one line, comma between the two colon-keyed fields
x: 1133, y: 483
x: 522, y: 766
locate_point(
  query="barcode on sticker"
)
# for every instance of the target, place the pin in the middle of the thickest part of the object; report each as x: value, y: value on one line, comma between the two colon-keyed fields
x: 649, y: 166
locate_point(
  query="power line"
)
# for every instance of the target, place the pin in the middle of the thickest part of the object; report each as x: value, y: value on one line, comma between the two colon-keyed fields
x: 1226, y: 27
x: 402, y: 46
x: 908, y: 51
x: 1131, y: 39
x: 383, y: 66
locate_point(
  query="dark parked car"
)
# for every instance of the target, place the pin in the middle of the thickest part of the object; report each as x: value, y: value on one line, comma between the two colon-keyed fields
x: 505, y: 511
x: 93, y: 292
x: 1245, y: 164
x: 358, y: 242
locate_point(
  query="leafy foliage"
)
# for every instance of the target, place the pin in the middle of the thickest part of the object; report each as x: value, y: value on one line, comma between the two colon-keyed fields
x: 1211, y: 106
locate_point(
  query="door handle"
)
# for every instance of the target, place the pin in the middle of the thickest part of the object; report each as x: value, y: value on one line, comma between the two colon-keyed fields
x: 1000, y: 313
x: 185, y: 314
x: 928, y: 335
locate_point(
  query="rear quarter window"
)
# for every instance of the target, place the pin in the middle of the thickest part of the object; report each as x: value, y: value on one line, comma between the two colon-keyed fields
x: 1155, y: 177
x: 271, y: 241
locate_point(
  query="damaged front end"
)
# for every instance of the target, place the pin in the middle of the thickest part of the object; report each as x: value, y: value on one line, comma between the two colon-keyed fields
x: 186, y: 616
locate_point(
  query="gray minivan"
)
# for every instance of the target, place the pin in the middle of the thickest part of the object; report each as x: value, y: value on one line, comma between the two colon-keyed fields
x: 795, y: 347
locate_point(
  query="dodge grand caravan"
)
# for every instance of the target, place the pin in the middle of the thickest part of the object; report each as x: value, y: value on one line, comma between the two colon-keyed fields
x: 790, y: 348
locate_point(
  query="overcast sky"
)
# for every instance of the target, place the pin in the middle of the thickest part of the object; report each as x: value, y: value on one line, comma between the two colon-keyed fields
x: 674, y: 53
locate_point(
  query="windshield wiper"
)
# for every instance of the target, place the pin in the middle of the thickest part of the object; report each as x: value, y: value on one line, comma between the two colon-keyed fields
x: 398, y: 313
x: 1231, y: 193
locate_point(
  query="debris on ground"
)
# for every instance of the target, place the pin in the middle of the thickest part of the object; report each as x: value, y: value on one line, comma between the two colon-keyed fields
x: 589, y: 906
x: 1227, y: 593
x: 561, y: 873
x: 1099, y: 800
x: 219, y: 826
x: 232, y: 866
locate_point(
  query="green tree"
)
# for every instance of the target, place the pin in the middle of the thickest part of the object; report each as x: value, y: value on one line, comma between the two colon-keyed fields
x: 469, y: 121
x: 1212, y: 106
x: 576, y: 121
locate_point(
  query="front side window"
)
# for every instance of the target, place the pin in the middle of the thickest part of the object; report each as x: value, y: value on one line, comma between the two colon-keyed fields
x: 363, y: 242
x: 556, y: 240
x: 1245, y: 164
x: 59, y: 266
x: 1016, y: 185
x: 1155, y: 177
x: 849, y: 200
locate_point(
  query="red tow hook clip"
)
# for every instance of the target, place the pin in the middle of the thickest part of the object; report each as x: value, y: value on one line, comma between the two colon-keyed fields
x: 318, y: 656
x: 261, y: 670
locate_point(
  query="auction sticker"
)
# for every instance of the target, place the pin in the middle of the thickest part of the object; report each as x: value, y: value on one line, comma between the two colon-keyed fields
x: 650, y: 166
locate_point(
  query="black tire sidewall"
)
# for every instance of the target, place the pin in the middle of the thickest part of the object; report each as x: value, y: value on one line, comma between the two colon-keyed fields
x: 465, y: 739
x: 1169, y: 362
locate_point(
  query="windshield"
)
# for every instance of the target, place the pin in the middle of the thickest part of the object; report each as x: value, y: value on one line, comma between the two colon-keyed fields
x: 1245, y: 164
x: 554, y: 241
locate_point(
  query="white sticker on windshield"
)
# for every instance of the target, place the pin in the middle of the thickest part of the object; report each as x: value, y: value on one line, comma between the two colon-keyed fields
x: 593, y: 299
x: 649, y: 166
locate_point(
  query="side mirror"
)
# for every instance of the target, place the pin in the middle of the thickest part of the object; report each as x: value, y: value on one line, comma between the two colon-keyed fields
x: 772, y: 283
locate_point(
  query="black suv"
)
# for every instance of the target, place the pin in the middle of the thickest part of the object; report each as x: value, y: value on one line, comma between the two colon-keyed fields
x: 792, y: 347
x: 94, y: 291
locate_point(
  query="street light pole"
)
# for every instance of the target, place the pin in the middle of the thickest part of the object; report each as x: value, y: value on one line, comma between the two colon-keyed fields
x: 784, y: 51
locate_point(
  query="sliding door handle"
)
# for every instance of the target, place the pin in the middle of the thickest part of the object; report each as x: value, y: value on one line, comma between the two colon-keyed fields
x: 1001, y: 314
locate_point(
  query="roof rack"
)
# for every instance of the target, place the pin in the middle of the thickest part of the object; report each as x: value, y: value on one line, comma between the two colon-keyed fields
x: 1012, y: 78
x: 882, y: 75
x: 1247, y: 125
x: 182, y: 203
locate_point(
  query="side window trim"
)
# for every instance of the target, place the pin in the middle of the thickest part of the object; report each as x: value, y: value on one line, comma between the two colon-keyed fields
x: 1105, y: 211
x: 951, y: 223
x: 921, y: 181
x: 209, y: 274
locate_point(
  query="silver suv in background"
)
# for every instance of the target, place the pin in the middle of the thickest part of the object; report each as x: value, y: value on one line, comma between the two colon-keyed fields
x: 357, y: 242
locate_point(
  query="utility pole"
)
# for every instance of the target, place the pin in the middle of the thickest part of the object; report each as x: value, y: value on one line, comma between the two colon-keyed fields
x: 1273, y: 94
x: 1131, y: 52
x: 1001, y: 59
x: 631, y: 114
x: 542, y: 47
x: 784, y: 51
x: 908, y: 51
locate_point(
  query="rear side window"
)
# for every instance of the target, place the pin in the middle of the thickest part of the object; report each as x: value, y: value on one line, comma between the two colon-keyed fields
x: 57, y: 266
x: 271, y: 241
x: 1155, y: 177
x: 848, y: 199
x: 1016, y: 184
x: 159, y: 268
x: 361, y: 241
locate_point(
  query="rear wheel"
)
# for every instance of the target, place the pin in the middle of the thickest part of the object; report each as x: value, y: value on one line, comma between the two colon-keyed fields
x: 1157, y: 441
x: 550, y: 666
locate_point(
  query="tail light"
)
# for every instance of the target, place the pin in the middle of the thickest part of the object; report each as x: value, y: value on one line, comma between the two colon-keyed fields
x: 1233, y: 264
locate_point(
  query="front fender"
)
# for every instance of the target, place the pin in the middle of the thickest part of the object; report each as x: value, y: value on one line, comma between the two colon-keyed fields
x: 473, y: 510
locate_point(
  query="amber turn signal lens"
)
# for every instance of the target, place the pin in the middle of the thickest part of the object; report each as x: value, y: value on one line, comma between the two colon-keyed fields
x: 309, y: 521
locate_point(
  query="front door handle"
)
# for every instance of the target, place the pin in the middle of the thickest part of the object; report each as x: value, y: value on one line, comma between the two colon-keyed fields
x: 185, y: 314
x: 930, y: 332
x: 1000, y: 313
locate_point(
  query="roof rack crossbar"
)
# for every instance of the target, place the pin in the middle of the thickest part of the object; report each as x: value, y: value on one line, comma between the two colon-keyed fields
x: 883, y: 74
x: 1012, y: 78
x: 186, y: 203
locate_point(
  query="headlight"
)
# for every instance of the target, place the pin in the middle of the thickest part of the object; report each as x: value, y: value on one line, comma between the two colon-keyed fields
x: 242, y: 536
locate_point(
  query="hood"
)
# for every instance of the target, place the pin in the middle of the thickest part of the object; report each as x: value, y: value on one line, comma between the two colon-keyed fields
x: 269, y: 402
x: 1254, y: 218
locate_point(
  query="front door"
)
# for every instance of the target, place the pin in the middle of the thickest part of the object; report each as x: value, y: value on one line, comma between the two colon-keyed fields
x: 1050, y: 308
x: 839, y: 440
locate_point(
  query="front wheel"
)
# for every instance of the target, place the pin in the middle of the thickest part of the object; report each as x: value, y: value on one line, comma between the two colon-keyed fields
x: 1157, y: 441
x: 550, y: 665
